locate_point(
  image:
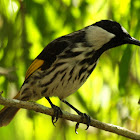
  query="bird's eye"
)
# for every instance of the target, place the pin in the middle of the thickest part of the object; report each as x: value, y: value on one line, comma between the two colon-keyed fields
x: 115, y: 30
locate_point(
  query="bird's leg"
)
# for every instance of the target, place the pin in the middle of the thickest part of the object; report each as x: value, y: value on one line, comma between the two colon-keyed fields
x: 83, y: 115
x: 57, y: 111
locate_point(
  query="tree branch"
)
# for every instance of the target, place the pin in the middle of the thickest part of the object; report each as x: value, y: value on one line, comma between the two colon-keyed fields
x: 75, y: 118
x: 7, y: 73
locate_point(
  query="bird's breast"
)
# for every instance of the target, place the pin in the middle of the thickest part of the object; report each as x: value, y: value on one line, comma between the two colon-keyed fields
x: 65, y: 76
x: 68, y: 73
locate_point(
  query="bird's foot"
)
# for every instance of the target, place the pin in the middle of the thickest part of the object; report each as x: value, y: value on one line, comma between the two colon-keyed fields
x: 83, y: 116
x: 57, y: 113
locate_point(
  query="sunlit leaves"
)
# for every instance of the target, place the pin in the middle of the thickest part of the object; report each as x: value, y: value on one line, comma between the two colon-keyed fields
x: 27, y: 26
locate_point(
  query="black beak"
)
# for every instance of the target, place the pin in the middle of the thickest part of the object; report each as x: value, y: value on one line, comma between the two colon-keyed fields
x: 131, y: 40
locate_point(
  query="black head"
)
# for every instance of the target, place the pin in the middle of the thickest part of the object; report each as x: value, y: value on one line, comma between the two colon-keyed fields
x: 121, y: 35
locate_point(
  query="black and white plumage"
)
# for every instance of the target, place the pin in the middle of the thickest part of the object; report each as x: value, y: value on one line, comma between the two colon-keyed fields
x: 66, y: 63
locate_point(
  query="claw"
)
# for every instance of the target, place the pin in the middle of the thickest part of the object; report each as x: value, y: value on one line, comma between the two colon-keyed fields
x: 83, y: 116
x: 88, y: 120
x: 57, y: 112
x: 76, y: 127
x: 53, y: 122
x: 87, y: 117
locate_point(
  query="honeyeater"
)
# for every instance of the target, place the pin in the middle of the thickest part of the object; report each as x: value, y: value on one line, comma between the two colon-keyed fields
x: 65, y: 64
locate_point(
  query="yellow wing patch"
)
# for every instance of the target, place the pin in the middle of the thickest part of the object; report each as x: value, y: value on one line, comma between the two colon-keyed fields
x: 33, y: 67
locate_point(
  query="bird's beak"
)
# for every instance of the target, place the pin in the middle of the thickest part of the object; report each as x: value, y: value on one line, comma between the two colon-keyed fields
x: 132, y: 40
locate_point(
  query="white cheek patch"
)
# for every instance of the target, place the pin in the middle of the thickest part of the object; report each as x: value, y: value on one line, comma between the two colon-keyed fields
x: 97, y: 37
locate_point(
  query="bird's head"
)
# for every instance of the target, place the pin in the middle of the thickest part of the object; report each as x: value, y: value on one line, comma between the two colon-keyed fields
x: 107, y: 34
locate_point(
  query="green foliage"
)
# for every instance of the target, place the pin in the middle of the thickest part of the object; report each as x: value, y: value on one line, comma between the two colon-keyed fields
x: 109, y: 95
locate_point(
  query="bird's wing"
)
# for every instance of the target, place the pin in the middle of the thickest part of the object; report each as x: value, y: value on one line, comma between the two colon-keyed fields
x: 36, y: 64
x: 45, y: 59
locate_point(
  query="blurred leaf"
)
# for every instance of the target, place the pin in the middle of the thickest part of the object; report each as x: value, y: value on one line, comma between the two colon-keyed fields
x: 27, y: 26
x: 84, y: 103
x: 124, y: 68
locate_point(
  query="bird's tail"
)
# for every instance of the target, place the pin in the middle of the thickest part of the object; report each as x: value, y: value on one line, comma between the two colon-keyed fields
x: 8, y: 113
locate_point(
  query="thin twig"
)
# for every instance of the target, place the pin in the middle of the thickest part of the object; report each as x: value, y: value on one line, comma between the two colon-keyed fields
x: 75, y: 118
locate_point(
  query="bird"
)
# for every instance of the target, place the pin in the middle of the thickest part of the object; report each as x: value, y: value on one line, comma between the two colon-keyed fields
x: 65, y: 64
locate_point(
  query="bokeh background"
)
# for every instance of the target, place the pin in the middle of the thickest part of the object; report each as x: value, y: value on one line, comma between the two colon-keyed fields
x: 111, y: 93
